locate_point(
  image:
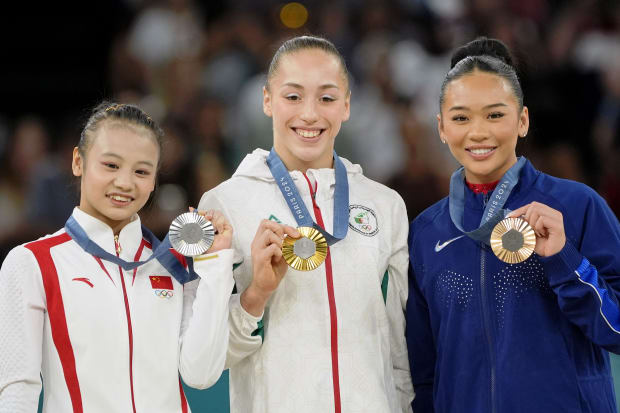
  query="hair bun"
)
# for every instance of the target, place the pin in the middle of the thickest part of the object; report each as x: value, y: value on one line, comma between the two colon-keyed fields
x: 483, y: 46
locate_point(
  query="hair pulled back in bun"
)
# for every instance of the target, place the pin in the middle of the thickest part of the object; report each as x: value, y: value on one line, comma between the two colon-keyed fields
x: 487, y: 55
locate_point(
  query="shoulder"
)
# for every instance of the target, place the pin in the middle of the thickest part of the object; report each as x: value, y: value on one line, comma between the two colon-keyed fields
x: 375, y: 189
x: 567, y: 195
x: 430, y: 215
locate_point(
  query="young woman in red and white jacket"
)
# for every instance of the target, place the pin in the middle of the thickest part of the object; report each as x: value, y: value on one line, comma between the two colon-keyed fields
x: 106, y: 339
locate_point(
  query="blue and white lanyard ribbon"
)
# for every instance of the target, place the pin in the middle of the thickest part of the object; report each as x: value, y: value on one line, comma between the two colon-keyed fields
x: 296, y: 203
x: 161, y: 251
x: 493, y: 211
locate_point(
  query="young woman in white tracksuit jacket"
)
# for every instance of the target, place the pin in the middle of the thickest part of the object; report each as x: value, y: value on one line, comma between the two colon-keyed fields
x: 105, y: 339
x: 331, y: 339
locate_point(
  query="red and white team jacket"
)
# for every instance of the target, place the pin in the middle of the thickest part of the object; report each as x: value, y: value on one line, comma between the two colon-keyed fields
x: 104, y: 339
x: 331, y: 339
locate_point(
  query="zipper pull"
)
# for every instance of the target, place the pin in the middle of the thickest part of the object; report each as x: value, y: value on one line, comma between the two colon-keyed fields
x: 117, y: 245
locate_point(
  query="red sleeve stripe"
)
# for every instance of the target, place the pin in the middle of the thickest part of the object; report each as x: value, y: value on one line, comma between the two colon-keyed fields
x: 56, y: 312
x: 184, y: 408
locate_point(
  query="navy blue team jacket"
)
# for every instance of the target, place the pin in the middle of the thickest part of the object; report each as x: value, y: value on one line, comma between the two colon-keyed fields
x: 486, y: 336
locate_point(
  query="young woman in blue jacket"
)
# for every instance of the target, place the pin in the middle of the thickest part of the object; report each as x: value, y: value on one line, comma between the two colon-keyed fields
x: 488, y: 336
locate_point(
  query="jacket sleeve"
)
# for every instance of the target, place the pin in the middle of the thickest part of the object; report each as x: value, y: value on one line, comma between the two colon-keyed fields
x: 420, y: 343
x: 245, y: 330
x: 585, y: 274
x: 22, y: 315
x: 395, y: 301
x: 204, y: 327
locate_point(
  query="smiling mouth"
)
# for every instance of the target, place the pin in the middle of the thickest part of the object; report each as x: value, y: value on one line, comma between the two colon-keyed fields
x: 481, y: 151
x: 120, y: 198
x: 308, y: 133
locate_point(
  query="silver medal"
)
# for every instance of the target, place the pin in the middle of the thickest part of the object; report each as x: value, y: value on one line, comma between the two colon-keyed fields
x: 191, y: 234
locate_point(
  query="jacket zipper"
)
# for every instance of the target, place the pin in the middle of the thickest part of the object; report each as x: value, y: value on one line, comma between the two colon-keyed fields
x: 332, y: 302
x: 486, y: 318
x: 117, y: 247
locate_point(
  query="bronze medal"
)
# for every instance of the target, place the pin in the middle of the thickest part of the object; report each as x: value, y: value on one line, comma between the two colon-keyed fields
x: 513, y: 240
x: 306, y: 252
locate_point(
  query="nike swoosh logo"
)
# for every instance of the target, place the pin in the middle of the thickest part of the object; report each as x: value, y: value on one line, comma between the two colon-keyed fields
x: 443, y: 245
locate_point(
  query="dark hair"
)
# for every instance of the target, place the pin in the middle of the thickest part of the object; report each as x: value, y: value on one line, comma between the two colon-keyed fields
x: 117, y: 112
x: 487, y: 55
x: 302, y: 43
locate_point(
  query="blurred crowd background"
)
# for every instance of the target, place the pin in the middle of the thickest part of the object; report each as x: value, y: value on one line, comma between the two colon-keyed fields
x: 198, y: 67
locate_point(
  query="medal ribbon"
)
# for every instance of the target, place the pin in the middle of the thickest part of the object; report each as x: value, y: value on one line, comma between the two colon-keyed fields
x: 161, y: 251
x: 493, y: 211
x: 296, y: 203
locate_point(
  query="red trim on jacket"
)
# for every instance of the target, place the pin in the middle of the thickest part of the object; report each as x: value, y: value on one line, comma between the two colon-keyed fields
x: 333, y: 318
x: 56, y: 313
x: 184, y: 407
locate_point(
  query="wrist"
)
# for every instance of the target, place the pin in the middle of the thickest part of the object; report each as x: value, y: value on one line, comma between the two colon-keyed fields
x: 254, y: 301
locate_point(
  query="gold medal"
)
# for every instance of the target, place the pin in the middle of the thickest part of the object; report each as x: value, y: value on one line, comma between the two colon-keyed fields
x: 513, y: 240
x: 307, y: 252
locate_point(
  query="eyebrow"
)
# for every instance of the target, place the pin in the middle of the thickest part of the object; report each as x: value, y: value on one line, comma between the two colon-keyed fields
x: 494, y: 105
x: 298, y: 86
x: 113, y: 155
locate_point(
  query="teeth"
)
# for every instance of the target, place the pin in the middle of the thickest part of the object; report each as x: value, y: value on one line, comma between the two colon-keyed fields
x: 308, y: 133
x: 480, y: 151
x: 120, y: 198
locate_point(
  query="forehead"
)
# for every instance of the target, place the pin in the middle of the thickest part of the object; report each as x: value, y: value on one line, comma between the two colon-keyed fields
x: 479, y: 89
x: 309, y: 65
x: 132, y: 142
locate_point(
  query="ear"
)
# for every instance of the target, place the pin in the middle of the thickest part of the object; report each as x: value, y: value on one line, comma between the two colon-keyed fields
x: 77, y: 164
x: 347, y: 107
x: 440, y: 128
x: 524, y: 122
x: 267, y: 102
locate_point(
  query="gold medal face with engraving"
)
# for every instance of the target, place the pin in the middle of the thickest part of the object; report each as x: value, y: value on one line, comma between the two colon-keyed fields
x: 513, y: 240
x: 307, y: 252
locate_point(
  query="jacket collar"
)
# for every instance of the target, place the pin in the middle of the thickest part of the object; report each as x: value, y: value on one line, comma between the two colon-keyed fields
x: 254, y: 166
x: 129, y: 238
x: 474, y: 203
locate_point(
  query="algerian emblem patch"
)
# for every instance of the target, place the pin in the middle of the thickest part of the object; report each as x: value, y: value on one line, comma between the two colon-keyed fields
x: 363, y: 220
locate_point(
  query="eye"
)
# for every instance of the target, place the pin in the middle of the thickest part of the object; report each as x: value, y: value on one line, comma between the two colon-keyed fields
x: 327, y: 98
x: 143, y: 172
x: 459, y: 118
x: 496, y: 115
x: 110, y: 165
x: 292, y: 97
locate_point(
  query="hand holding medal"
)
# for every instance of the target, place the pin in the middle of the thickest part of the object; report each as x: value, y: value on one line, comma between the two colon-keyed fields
x: 547, y: 225
x: 196, y: 232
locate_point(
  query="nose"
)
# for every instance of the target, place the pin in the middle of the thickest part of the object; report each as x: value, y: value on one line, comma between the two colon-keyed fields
x: 309, y: 113
x: 124, y: 179
x: 478, y: 131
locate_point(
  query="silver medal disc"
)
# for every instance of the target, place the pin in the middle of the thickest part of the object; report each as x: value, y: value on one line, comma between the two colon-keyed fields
x: 191, y: 234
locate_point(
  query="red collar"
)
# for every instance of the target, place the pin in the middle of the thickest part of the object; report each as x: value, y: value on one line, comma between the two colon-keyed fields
x: 482, y: 188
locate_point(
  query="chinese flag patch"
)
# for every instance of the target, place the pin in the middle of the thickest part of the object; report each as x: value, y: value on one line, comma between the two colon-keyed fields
x: 159, y: 282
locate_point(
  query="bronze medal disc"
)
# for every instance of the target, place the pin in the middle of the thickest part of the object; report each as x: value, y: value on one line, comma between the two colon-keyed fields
x: 306, y: 252
x: 513, y: 240
x: 191, y: 234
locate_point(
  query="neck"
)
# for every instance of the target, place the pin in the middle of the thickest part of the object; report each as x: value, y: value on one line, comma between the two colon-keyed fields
x: 475, y: 178
x: 115, y: 225
x: 293, y: 163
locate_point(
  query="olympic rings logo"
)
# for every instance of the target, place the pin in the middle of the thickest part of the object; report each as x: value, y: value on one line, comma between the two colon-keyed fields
x: 164, y: 293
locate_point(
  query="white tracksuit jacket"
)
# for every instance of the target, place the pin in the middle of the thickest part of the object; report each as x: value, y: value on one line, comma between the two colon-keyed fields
x: 107, y: 340
x: 337, y: 332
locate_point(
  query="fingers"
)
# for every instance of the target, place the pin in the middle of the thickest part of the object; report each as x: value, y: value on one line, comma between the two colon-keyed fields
x: 291, y: 231
x: 542, y: 218
x: 270, y: 226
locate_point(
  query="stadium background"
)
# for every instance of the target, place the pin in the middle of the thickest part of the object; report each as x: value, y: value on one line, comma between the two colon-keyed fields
x: 198, y: 67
